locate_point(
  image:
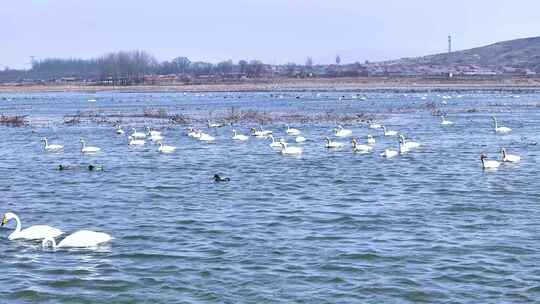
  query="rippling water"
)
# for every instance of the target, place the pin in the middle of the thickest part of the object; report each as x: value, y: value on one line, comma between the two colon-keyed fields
x: 326, y: 227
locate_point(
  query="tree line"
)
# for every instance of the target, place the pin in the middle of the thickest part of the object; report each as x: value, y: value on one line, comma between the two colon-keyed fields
x: 126, y: 67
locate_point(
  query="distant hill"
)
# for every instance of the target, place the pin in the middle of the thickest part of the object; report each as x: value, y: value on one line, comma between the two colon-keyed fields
x: 512, y: 54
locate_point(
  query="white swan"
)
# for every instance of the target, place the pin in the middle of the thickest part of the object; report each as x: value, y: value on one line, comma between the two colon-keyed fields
x: 488, y: 164
x: 240, y: 137
x: 214, y: 125
x: 119, y: 130
x: 51, y: 148
x: 333, y: 144
x: 300, y: 139
x: 360, y: 148
x: 260, y: 133
x: 340, y: 132
x: 285, y: 149
x: 373, y: 125
x: 165, y: 149
x: 79, y: 239
x: 409, y: 144
x: 389, y: 133
x: 193, y: 133
x: 445, y: 122
x: 370, y: 140
x: 206, y: 137
x: 511, y: 158
x: 389, y: 153
x: 292, y: 131
x: 85, y: 149
x: 37, y: 232
x: 498, y: 129
x: 152, y: 133
x: 137, y: 135
x: 274, y: 143
x: 401, y: 146
x: 135, y: 142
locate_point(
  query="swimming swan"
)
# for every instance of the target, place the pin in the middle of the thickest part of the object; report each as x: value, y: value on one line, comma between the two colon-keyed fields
x: 240, y: 137
x: 85, y: 149
x: 300, y: 139
x: 340, y: 132
x: 488, y: 164
x: 389, y: 153
x: 274, y: 143
x: 498, y: 129
x: 408, y: 144
x: 206, y: 137
x: 51, y: 148
x: 260, y: 133
x: 292, y: 131
x: 214, y: 125
x: 360, y: 148
x: 290, y: 150
x: 333, y: 144
x: 152, y: 133
x: 165, y: 149
x: 137, y: 135
x: 445, y: 122
x: 509, y: 157
x: 37, y: 232
x: 389, y: 133
x: 79, y: 239
x: 135, y: 142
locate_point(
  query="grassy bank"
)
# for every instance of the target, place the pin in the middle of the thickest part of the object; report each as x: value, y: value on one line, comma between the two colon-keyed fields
x: 327, y: 84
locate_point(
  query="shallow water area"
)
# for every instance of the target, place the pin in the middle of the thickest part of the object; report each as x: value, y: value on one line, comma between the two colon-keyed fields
x: 329, y: 226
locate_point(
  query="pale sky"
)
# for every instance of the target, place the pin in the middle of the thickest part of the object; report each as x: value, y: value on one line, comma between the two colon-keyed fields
x: 274, y: 31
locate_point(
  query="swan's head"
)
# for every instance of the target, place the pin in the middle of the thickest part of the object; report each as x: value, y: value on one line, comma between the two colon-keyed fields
x: 354, y: 141
x: 81, y: 141
x: 130, y: 137
x: 7, y: 217
x: 43, y: 139
x: 283, y: 144
x: 327, y: 139
x: 369, y: 136
x: 402, y: 137
x: 483, y: 156
x: 134, y: 130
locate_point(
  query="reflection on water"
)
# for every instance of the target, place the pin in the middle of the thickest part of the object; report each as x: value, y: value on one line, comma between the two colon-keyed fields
x: 325, y: 227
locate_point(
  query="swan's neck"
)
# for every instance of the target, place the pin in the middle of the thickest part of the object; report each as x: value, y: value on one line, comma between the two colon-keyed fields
x: 483, y: 164
x: 272, y: 137
x: 495, y: 122
x: 46, y: 143
x: 83, y: 144
x: 17, y: 228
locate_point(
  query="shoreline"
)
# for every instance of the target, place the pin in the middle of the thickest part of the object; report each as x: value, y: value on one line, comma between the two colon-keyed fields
x: 297, y: 85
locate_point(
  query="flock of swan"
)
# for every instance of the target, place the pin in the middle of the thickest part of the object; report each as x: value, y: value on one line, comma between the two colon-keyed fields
x: 404, y: 146
x: 48, y: 235
x: 85, y: 238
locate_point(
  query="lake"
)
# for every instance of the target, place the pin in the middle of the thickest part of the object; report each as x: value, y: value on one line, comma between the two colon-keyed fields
x: 325, y: 227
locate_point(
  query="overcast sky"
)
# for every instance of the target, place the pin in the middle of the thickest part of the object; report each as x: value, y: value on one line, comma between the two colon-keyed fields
x: 274, y: 31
